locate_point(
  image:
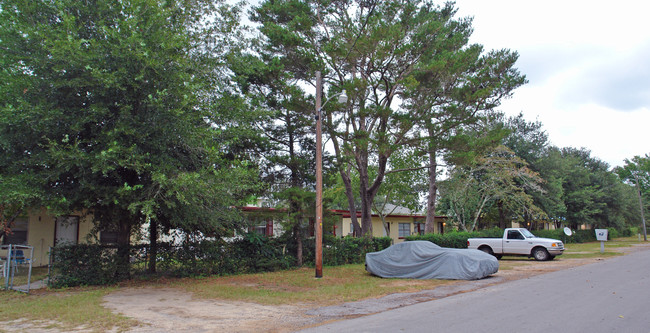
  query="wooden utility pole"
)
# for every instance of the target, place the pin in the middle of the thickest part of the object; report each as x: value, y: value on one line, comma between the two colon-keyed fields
x: 638, y: 189
x: 319, y: 179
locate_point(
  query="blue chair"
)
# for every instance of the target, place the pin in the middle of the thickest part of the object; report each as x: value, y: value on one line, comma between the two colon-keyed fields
x: 18, y: 257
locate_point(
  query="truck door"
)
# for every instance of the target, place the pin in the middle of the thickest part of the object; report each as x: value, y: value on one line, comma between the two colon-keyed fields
x: 515, y: 243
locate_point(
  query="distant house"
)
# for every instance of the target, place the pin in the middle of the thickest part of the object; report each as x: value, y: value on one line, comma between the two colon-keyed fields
x: 400, y: 222
x: 539, y: 225
x: 42, y: 230
x: 264, y: 220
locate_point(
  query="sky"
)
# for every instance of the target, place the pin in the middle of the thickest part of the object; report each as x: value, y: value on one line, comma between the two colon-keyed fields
x: 588, y: 67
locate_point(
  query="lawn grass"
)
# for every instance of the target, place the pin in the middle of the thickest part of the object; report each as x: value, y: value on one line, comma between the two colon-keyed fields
x: 592, y: 249
x: 63, y: 309
x: 20, y: 277
x: 339, y: 284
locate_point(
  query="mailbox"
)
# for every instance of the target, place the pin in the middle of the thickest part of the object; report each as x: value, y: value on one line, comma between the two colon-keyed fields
x: 601, y: 235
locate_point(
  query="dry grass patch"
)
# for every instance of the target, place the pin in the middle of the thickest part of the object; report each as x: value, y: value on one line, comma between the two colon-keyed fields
x: 66, y: 310
x: 338, y: 284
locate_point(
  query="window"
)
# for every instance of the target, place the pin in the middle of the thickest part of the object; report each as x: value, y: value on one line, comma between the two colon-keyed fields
x: 515, y: 234
x: 108, y: 237
x: 66, y: 230
x: 18, y: 235
x: 265, y: 228
x: 404, y: 230
x: 418, y: 228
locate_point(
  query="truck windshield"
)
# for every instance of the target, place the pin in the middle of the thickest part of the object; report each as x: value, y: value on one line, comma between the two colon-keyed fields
x: 527, y: 233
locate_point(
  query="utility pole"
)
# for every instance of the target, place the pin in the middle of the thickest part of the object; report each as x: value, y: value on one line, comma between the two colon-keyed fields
x: 342, y: 98
x: 638, y: 189
x: 319, y: 179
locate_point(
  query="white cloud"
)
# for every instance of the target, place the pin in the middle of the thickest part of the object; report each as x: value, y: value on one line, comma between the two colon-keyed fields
x: 587, y: 63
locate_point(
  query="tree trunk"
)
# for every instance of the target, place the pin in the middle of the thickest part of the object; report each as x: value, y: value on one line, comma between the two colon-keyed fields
x: 366, y: 214
x: 502, y: 215
x: 297, y: 233
x: 123, y: 269
x: 356, y: 232
x: 429, y: 226
x: 153, y: 245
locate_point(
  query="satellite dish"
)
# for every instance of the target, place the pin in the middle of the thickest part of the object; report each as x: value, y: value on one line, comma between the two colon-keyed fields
x: 568, y: 231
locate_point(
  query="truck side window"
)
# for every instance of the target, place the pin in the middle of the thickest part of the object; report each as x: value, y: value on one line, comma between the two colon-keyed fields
x: 514, y: 234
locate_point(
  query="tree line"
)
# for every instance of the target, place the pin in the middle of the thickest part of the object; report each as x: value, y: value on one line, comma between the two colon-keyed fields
x: 173, y: 114
x: 527, y: 180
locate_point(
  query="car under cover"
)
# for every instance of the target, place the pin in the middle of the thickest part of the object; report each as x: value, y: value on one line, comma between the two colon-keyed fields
x: 426, y: 260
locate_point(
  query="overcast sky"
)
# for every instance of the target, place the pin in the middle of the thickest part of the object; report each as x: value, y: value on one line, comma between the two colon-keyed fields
x: 588, y: 66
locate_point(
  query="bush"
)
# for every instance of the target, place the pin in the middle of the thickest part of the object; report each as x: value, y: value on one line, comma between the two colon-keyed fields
x: 85, y: 264
x: 457, y: 239
x: 346, y: 250
x: 612, y: 233
x: 629, y: 231
x: 454, y: 239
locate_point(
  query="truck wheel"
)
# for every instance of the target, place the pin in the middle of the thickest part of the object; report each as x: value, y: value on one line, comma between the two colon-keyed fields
x: 540, y: 254
x: 489, y: 251
x: 486, y: 249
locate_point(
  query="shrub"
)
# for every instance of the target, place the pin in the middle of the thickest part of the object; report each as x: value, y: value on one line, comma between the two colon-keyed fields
x: 346, y: 250
x: 85, y: 264
x: 454, y: 239
x: 612, y: 233
x: 625, y: 232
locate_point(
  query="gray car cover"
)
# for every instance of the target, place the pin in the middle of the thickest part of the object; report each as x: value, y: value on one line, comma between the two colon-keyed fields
x: 425, y: 260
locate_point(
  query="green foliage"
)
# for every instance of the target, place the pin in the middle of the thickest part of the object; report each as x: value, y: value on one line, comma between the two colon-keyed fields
x: 579, y: 236
x: 497, y: 177
x: 99, y: 265
x: 452, y: 239
x: 591, y: 193
x: 118, y: 107
x: 636, y: 172
x: 571, y: 186
x: 456, y: 239
x: 627, y: 232
x: 382, y: 52
x: 83, y: 264
x: 349, y: 250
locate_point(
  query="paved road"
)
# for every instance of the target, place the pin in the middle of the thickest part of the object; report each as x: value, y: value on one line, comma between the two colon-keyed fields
x: 612, y: 295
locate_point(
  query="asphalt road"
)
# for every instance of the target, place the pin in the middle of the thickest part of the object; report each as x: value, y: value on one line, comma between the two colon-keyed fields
x: 612, y: 295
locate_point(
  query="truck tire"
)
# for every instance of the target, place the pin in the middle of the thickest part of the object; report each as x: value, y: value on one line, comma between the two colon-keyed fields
x: 489, y: 251
x: 540, y: 254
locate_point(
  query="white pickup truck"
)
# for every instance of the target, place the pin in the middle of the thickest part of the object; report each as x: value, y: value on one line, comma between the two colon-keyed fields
x: 518, y: 241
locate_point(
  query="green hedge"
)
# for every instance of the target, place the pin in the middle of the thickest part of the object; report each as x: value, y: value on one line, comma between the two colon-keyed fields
x: 346, y: 250
x: 458, y: 239
x: 99, y: 265
x: 84, y: 264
